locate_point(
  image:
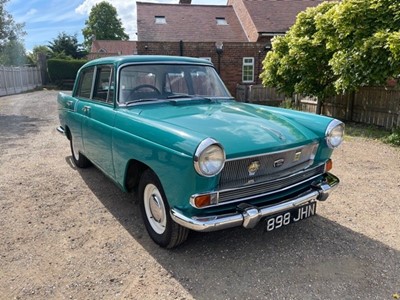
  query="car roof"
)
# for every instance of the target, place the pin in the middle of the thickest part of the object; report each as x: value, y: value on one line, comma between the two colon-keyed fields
x: 121, y: 60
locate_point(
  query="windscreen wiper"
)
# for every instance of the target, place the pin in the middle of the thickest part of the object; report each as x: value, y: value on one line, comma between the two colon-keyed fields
x: 177, y: 96
x: 141, y: 100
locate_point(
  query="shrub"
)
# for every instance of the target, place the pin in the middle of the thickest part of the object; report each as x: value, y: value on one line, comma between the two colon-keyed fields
x: 61, y: 70
x: 393, y: 138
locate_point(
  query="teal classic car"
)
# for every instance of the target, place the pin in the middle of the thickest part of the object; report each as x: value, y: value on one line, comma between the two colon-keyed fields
x: 168, y: 129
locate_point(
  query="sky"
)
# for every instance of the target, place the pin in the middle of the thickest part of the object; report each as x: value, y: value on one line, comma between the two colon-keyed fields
x: 45, y: 19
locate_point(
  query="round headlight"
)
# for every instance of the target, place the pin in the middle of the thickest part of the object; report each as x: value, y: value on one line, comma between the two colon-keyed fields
x: 209, y: 158
x: 334, y: 133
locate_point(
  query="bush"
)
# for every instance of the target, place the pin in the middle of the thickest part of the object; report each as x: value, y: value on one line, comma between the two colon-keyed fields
x: 393, y: 138
x: 61, y: 70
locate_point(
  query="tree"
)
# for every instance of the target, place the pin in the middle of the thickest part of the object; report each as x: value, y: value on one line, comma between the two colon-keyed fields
x: 103, y: 24
x: 36, y: 51
x: 13, y: 53
x: 12, y: 50
x: 364, y: 35
x: 65, y: 46
x: 299, y: 62
x: 337, y: 48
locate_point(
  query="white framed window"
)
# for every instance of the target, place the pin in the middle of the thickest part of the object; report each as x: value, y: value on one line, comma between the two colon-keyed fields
x: 248, y: 69
x: 160, y: 20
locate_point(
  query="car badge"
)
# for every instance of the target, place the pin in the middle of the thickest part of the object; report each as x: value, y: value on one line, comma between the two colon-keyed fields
x: 279, y: 162
x: 253, y: 167
x: 297, y: 156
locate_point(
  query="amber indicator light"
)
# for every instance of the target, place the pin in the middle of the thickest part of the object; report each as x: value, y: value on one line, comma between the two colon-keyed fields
x: 328, y: 165
x: 202, y: 201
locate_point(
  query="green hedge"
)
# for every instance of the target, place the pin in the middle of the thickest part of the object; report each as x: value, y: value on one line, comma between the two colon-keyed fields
x: 61, y: 70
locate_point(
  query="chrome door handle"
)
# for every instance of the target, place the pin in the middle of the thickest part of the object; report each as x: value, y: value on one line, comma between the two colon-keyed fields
x: 86, y: 109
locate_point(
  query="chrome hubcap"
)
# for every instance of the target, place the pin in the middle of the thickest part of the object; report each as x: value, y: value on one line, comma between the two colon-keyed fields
x: 155, y: 208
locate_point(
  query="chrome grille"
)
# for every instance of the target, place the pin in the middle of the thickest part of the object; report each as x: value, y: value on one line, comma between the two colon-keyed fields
x: 270, y: 187
x: 271, y: 166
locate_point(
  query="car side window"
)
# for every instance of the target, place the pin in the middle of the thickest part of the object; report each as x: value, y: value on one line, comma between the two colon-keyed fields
x: 85, y: 83
x: 104, y: 88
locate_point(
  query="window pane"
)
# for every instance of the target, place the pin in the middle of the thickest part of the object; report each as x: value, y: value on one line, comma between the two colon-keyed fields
x: 169, y: 80
x: 135, y: 81
x: 176, y: 83
x: 248, y: 69
x: 221, y: 21
x: 161, y: 20
x: 85, y: 83
x: 103, y: 86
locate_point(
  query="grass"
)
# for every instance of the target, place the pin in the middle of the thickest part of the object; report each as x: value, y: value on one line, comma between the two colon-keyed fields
x: 373, y: 132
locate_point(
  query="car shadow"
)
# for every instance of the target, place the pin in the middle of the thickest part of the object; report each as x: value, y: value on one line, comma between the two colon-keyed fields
x: 13, y: 127
x: 314, y: 259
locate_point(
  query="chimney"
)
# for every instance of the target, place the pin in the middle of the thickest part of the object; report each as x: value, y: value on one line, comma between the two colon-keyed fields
x: 185, y: 2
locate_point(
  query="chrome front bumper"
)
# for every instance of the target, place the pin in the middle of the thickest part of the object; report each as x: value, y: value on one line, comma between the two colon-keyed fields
x: 248, y: 215
x: 61, y: 130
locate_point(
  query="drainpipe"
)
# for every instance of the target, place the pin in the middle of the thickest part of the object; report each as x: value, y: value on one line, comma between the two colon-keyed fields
x: 181, y: 48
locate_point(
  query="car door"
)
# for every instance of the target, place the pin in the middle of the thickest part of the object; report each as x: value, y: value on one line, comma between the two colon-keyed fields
x: 98, y: 109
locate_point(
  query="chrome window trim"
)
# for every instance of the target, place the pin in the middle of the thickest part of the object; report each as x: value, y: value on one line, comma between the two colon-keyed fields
x: 155, y: 62
x: 78, y: 88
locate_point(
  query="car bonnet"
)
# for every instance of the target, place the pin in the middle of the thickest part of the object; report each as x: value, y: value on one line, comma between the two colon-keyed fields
x: 242, y: 129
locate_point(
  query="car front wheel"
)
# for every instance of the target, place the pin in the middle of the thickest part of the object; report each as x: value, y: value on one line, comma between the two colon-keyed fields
x: 155, y: 212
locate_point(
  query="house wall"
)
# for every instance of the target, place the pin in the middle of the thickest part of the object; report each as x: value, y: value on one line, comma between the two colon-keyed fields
x: 229, y: 63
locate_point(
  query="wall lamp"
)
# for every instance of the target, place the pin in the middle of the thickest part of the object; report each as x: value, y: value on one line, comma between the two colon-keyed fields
x: 219, y: 47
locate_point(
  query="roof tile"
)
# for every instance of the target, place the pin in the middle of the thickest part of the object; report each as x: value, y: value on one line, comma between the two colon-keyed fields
x: 276, y: 16
x: 114, y: 47
x: 190, y: 23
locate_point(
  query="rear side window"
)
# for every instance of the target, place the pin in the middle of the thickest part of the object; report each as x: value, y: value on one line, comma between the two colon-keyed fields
x: 85, y: 83
x: 103, y: 89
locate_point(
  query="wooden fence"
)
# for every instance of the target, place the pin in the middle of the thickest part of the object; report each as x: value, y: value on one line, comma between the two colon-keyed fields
x: 259, y: 94
x: 370, y: 105
x: 14, y: 80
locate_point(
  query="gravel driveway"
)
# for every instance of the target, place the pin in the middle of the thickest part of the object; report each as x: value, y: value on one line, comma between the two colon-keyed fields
x: 72, y: 234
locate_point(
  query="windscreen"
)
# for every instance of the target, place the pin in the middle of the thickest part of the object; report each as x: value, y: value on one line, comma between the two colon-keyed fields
x: 167, y: 81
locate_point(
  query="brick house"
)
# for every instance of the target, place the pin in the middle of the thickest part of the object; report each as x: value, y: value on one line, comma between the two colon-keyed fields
x: 264, y: 19
x: 102, y: 48
x: 235, y: 37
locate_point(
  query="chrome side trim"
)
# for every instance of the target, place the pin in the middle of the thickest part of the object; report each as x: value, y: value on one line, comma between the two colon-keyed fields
x: 248, y: 215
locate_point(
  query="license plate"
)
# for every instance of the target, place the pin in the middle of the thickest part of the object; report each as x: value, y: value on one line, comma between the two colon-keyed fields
x: 291, y: 216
